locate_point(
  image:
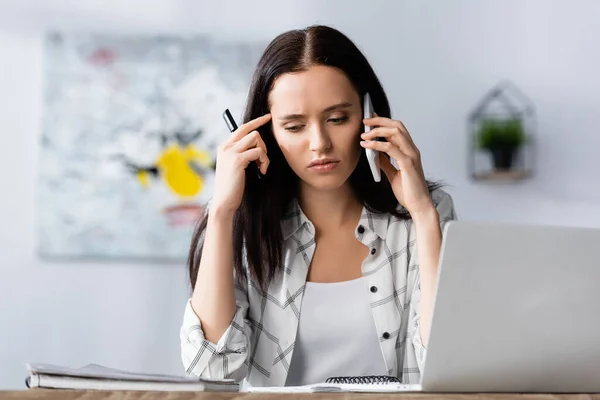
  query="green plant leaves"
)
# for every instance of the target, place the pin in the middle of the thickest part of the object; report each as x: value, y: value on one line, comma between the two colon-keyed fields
x: 500, y: 133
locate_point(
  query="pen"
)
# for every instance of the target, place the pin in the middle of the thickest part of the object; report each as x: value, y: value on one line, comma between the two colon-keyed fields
x: 229, y: 121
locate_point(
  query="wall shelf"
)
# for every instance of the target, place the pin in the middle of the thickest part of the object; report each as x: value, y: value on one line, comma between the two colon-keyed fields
x: 503, y: 103
x: 503, y: 176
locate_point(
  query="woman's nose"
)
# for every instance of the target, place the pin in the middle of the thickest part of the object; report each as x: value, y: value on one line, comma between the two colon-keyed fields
x: 319, y: 139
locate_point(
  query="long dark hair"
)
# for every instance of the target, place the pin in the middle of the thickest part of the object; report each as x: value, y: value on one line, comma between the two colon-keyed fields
x: 257, y: 236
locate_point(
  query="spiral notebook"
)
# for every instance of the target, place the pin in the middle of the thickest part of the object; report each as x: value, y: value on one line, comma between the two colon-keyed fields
x: 362, y: 384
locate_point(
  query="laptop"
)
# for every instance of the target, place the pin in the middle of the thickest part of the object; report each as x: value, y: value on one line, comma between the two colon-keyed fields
x: 517, y: 309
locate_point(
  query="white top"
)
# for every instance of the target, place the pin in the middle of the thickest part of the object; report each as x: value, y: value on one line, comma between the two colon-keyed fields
x: 336, y: 334
x: 258, y: 345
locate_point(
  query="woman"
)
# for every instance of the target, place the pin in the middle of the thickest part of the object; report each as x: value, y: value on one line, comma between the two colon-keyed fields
x: 312, y: 269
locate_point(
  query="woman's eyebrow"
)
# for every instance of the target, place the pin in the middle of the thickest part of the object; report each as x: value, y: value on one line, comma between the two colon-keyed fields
x: 289, y: 117
x: 344, y: 104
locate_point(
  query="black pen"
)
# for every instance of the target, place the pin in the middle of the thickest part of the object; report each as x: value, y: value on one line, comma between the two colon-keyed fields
x: 229, y: 121
x: 232, y: 127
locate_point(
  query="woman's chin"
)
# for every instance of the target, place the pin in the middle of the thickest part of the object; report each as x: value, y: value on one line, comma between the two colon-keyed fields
x: 326, y: 183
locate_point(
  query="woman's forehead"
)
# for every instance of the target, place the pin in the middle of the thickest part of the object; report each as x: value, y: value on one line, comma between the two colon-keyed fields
x: 317, y: 88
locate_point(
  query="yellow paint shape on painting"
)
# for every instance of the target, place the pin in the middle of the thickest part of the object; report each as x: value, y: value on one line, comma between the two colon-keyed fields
x: 178, y: 174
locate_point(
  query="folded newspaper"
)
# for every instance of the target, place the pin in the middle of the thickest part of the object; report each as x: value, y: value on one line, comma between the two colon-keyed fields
x: 98, y: 377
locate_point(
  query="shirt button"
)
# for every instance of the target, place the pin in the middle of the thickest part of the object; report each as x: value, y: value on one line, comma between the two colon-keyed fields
x: 373, y: 251
x: 373, y: 289
x: 361, y: 229
x: 386, y: 335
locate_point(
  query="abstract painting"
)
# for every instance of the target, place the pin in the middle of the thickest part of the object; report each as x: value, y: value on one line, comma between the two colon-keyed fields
x: 130, y: 131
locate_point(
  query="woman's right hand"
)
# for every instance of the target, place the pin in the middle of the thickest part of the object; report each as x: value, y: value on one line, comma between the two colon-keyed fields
x: 243, y: 147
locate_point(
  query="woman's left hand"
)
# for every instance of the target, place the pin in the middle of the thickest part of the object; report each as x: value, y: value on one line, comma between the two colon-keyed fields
x: 408, y: 182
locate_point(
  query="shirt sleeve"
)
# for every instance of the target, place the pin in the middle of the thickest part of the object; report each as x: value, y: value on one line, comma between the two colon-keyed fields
x: 226, y: 359
x: 445, y: 207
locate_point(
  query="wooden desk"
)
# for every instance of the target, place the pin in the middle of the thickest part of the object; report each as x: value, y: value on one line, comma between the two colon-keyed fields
x: 35, y: 394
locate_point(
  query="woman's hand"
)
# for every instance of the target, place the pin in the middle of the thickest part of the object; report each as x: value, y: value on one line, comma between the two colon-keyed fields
x: 243, y: 147
x: 408, y: 183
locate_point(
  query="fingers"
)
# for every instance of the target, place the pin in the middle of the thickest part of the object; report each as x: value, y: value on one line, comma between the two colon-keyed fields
x: 257, y: 154
x: 396, y: 137
x: 399, y: 126
x: 387, y: 122
x: 383, y: 121
x: 252, y: 140
x: 403, y: 160
x: 249, y: 126
x: 246, y: 137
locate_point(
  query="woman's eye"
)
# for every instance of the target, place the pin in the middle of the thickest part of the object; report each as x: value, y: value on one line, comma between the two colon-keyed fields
x: 338, y: 120
x: 294, y: 128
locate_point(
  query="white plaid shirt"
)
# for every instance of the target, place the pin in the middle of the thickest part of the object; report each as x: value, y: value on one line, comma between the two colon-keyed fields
x: 259, y: 343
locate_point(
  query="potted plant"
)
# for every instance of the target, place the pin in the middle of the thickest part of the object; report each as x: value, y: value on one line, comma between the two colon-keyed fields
x: 502, y: 138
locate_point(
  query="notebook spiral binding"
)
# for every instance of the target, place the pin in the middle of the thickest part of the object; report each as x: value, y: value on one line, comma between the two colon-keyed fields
x: 370, y: 379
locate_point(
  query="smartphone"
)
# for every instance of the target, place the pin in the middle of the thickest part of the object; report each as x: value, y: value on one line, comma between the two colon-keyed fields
x: 372, y: 155
x: 232, y: 126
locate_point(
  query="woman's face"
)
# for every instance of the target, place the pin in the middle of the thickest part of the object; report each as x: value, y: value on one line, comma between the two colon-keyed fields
x: 317, y: 120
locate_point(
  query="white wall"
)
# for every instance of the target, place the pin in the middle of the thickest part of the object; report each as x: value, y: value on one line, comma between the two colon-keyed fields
x: 435, y: 58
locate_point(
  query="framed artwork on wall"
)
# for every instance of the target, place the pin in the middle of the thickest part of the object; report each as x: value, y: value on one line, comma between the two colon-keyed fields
x: 130, y: 131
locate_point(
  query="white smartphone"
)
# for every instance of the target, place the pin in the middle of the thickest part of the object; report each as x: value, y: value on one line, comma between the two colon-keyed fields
x: 372, y: 155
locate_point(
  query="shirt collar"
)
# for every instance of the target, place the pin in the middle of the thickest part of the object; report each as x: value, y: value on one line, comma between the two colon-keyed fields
x: 375, y: 222
x: 295, y: 219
